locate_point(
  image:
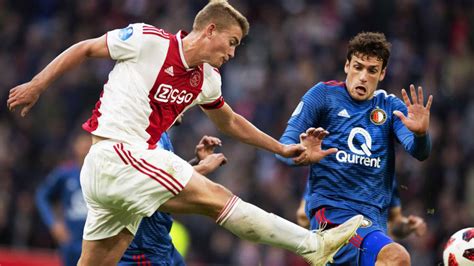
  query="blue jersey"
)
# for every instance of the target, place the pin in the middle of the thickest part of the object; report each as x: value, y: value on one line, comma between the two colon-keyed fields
x: 63, y: 184
x: 152, y: 243
x: 360, y: 176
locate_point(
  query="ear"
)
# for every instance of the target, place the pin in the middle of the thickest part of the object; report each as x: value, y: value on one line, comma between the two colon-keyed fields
x: 347, y: 66
x: 382, y: 74
x: 210, y: 30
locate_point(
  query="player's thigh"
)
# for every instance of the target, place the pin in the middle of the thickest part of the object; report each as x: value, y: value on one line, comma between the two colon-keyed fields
x: 393, y: 254
x: 106, y: 251
x: 200, y: 196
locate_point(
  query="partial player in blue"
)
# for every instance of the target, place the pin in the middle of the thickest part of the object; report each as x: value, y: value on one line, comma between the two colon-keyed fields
x: 152, y: 244
x: 399, y: 225
x: 357, y: 175
x: 62, y: 185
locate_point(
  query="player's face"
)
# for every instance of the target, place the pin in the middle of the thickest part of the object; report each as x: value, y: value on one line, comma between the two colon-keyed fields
x: 222, y: 44
x: 363, y: 76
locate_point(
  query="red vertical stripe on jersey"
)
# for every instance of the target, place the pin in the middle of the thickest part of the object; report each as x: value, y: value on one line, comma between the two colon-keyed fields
x: 172, y: 91
x: 93, y: 122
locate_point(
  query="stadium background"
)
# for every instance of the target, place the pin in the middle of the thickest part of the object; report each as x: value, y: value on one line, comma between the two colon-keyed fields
x: 291, y: 46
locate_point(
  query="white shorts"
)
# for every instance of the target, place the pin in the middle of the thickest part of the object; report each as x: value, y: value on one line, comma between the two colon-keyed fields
x: 122, y: 184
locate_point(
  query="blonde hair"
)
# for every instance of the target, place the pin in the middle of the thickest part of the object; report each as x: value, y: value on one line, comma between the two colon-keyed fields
x: 221, y: 13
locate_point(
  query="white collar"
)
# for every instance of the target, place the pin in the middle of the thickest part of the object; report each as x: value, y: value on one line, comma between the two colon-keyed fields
x: 181, y: 52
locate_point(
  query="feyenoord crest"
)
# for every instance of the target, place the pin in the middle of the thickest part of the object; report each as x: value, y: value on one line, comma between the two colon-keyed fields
x: 378, y: 116
x: 195, y: 79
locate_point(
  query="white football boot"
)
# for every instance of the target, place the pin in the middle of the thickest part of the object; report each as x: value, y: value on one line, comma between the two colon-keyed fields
x: 331, y: 240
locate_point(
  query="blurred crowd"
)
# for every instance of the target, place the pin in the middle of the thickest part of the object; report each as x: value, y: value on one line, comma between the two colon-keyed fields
x: 291, y: 46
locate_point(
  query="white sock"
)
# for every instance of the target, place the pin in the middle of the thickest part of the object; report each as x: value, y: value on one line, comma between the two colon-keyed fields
x: 249, y: 222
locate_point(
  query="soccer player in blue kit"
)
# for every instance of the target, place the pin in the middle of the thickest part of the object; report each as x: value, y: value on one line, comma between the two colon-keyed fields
x: 152, y: 244
x: 63, y: 184
x: 358, y: 175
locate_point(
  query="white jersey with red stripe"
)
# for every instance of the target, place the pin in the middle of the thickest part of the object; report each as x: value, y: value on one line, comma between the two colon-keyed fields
x: 150, y: 86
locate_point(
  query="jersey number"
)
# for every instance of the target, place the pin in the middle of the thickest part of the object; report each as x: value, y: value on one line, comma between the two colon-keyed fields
x: 165, y: 93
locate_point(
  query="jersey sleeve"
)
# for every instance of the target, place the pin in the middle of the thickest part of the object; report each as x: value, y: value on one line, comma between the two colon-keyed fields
x: 125, y: 44
x: 212, y: 93
x: 418, y: 146
x: 395, y: 200
x: 49, y: 189
x: 306, y: 114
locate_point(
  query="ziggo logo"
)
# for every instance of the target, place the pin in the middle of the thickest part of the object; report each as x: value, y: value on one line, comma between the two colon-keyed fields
x: 165, y: 93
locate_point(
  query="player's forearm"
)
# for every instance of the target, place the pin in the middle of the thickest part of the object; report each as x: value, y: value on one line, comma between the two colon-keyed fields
x: 64, y: 62
x: 421, y: 147
x: 417, y: 146
x: 240, y: 128
x: 290, y: 136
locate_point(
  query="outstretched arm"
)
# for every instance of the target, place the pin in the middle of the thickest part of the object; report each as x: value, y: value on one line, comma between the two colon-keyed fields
x: 26, y: 94
x: 234, y: 125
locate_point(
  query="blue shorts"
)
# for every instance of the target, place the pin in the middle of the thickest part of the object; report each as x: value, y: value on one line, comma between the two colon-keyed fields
x: 363, y: 247
x: 173, y: 259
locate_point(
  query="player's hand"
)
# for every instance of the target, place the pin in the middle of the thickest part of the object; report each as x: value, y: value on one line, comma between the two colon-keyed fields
x: 206, y: 146
x: 211, y: 163
x: 60, y: 233
x: 418, y: 118
x: 417, y: 225
x: 23, y: 96
x: 312, y: 140
x: 292, y: 150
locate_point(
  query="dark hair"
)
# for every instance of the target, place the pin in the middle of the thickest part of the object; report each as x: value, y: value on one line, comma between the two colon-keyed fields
x: 222, y: 14
x: 372, y: 44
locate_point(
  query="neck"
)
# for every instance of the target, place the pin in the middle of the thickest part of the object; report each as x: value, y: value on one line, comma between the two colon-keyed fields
x: 192, y: 50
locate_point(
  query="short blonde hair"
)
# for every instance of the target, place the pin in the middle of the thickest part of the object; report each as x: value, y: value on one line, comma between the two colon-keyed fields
x: 221, y: 13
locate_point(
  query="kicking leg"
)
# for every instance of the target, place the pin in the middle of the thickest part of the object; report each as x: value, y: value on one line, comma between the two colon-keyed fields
x: 249, y: 222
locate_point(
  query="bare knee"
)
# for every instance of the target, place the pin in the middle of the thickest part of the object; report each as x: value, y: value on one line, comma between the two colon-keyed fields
x: 216, y: 199
x: 393, y: 254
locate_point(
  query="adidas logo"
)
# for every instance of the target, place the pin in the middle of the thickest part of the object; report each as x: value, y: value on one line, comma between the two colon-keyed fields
x: 169, y: 71
x: 344, y: 113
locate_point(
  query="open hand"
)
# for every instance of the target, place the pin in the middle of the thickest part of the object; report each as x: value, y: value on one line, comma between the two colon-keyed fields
x: 418, y: 118
x: 292, y: 150
x: 417, y: 225
x: 206, y: 146
x: 23, y: 96
x: 312, y: 140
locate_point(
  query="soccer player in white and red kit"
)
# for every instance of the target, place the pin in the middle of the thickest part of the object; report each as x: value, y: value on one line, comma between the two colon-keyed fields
x: 156, y: 78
